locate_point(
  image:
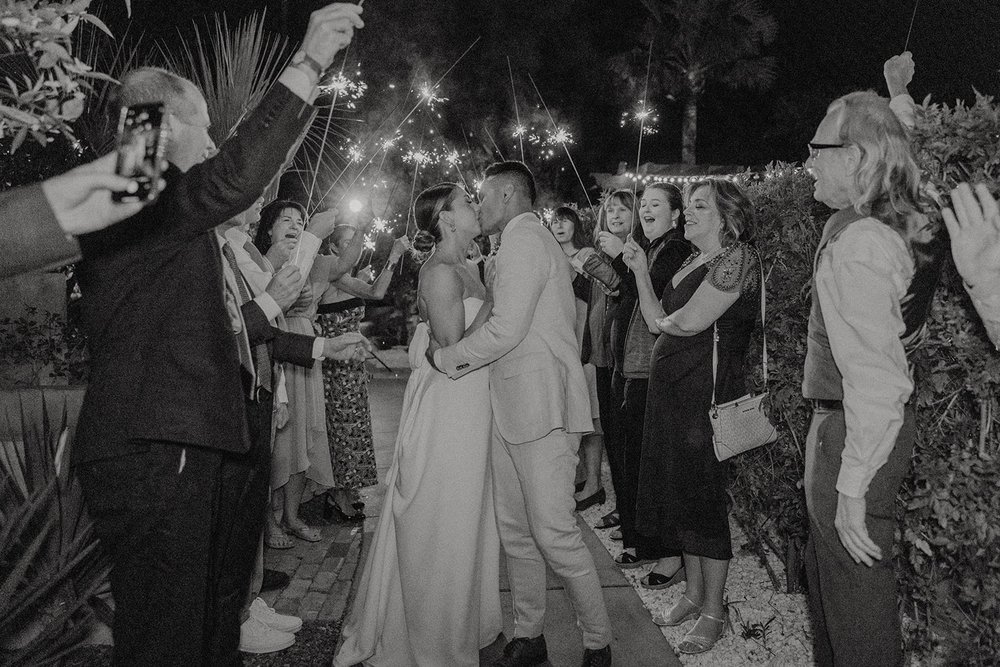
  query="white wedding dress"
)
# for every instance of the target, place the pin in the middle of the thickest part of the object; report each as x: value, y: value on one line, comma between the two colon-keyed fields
x: 429, y: 593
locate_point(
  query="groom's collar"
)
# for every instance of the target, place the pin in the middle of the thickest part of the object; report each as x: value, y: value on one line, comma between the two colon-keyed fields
x: 527, y: 216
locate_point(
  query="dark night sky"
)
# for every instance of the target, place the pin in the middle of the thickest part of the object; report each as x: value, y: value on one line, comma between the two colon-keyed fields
x: 824, y: 48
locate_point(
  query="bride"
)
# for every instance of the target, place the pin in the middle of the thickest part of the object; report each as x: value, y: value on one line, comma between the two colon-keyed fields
x: 429, y: 593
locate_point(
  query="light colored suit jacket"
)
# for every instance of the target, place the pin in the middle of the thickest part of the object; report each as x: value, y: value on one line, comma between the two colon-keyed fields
x: 536, y: 378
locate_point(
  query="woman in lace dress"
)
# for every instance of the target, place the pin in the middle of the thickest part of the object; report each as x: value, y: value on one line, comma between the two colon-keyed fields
x: 682, y: 496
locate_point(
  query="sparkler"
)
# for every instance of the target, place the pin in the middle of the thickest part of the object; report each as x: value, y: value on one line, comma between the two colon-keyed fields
x: 642, y: 122
x: 556, y: 133
x: 912, y: 19
x: 519, y: 130
x: 395, y: 132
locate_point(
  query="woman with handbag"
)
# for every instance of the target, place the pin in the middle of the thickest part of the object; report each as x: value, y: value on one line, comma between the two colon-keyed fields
x: 682, y: 491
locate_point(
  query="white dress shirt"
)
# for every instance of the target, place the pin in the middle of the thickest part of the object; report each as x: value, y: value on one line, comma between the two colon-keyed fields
x: 861, y: 277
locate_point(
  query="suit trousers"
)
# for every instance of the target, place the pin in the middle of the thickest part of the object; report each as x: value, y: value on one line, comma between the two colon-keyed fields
x: 182, y: 525
x: 154, y: 510
x: 854, y: 608
x: 533, y: 491
x: 243, y: 499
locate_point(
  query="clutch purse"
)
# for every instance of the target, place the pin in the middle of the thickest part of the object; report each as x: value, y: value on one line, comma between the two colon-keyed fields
x: 741, y: 425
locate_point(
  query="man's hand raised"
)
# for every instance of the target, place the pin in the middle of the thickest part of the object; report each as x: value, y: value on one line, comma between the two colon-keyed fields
x: 898, y: 72
x: 330, y: 30
x: 285, y: 286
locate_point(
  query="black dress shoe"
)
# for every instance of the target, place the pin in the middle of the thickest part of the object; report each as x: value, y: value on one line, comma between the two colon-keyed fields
x: 524, y: 652
x: 273, y: 580
x: 598, y: 498
x: 597, y: 657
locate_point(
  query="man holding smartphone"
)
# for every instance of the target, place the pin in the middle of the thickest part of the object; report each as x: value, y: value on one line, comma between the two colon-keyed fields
x: 163, y: 419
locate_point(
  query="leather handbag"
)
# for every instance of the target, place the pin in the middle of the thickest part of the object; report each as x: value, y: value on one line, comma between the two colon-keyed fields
x: 741, y: 425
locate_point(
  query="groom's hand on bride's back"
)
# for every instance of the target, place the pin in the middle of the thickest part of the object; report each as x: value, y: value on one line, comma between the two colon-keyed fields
x: 432, y: 347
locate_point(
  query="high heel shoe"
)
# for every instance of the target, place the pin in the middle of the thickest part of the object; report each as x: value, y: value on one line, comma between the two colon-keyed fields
x: 333, y: 512
x: 598, y: 498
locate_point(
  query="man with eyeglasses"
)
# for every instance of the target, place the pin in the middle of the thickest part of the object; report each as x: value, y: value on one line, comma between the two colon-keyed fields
x: 870, y: 298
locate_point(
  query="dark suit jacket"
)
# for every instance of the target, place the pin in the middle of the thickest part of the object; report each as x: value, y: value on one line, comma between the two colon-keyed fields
x: 30, y: 236
x: 164, y: 365
x: 284, y: 345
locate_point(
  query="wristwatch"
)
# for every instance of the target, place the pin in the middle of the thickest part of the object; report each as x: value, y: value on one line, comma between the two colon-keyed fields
x: 303, y: 60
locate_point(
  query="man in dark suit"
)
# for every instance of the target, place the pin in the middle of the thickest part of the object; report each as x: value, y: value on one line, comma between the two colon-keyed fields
x: 260, y: 344
x: 38, y: 222
x: 165, y: 411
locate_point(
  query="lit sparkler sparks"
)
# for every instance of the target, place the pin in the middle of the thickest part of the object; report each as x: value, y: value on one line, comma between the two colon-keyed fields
x: 380, y: 225
x: 355, y: 153
x: 519, y: 131
x: 348, y: 92
x: 559, y: 136
x: 428, y: 94
x: 369, y: 243
x: 646, y: 118
x: 419, y: 157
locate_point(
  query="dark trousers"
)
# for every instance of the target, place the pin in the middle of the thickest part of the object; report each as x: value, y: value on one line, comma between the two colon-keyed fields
x: 181, y: 525
x: 242, y: 502
x: 155, y: 512
x: 607, y: 409
x: 854, y: 608
x: 630, y: 394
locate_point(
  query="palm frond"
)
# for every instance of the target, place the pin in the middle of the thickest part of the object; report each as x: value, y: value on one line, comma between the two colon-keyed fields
x: 233, y: 68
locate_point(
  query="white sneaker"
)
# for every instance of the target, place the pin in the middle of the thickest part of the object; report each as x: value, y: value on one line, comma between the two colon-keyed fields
x: 255, y: 637
x: 269, y: 617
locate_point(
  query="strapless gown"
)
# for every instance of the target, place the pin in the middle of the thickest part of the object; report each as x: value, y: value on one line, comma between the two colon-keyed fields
x: 429, y: 592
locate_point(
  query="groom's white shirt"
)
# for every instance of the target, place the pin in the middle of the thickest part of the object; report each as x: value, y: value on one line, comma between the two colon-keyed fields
x: 537, y: 382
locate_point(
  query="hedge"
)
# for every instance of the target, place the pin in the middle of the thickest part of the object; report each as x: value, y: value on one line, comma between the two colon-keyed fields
x: 948, y: 554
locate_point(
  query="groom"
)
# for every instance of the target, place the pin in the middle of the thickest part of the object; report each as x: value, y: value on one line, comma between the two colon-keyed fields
x: 541, y: 408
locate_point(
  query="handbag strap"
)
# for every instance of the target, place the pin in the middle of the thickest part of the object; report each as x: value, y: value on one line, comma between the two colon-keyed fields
x: 763, y: 331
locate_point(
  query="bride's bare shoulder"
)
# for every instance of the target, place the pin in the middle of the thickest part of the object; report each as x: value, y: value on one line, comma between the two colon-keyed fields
x: 439, y: 280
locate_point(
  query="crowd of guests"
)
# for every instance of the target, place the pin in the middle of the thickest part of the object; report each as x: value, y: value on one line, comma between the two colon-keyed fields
x: 193, y: 451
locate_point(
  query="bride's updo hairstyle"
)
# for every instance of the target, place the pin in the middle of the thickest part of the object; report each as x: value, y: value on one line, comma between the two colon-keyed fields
x: 427, y: 209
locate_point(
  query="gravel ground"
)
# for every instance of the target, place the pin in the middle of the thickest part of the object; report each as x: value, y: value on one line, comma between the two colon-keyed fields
x: 753, y: 603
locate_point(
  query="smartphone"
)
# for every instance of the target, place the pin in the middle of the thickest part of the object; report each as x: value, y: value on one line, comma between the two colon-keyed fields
x: 141, y: 143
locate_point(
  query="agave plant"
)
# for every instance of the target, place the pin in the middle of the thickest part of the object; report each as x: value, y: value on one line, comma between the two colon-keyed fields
x: 51, y: 564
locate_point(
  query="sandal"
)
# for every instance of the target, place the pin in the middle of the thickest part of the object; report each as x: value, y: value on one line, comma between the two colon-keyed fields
x: 279, y: 540
x: 655, y: 581
x: 304, y: 532
x: 683, y: 610
x: 627, y: 561
x: 694, y: 642
x: 610, y: 520
x: 616, y: 535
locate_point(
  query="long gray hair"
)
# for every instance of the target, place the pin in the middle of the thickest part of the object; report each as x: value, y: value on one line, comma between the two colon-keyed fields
x: 887, y: 179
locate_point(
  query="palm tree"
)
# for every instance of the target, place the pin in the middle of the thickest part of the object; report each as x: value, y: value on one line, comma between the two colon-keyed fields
x: 712, y: 40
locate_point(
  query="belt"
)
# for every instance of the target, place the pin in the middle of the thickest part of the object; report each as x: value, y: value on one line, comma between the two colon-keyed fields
x: 826, y: 404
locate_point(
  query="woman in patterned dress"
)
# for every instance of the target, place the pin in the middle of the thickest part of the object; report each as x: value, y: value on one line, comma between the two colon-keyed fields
x: 345, y: 383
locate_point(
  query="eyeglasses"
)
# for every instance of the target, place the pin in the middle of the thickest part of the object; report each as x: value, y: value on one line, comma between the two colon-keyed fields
x: 814, y: 149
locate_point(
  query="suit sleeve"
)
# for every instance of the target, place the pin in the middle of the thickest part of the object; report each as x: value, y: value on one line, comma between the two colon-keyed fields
x: 522, y: 268
x: 227, y: 184
x: 30, y: 235
x: 285, y: 346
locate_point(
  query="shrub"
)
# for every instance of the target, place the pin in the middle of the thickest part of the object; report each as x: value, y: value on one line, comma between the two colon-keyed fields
x: 949, y: 538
